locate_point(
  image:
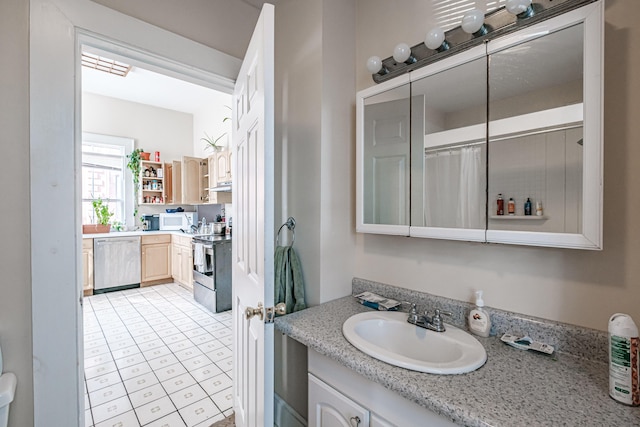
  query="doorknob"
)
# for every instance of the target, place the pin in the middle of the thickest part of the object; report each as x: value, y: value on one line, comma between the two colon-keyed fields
x: 250, y: 312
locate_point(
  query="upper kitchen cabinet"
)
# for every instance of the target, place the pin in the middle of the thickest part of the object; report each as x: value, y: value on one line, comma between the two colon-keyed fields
x: 448, y: 148
x: 195, y: 180
x: 518, y: 118
x: 545, y: 133
x: 383, y: 165
x: 220, y: 178
x: 152, y: 183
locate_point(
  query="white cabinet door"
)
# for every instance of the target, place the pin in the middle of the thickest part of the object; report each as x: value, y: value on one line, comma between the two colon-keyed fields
x: 377, y: 421
x: 330, y: 408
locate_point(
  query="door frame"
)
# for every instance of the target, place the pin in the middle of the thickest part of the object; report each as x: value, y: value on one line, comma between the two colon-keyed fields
x: 57, y: 30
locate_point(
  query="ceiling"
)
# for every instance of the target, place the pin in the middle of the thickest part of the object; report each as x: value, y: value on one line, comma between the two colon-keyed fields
x: 151, y: 88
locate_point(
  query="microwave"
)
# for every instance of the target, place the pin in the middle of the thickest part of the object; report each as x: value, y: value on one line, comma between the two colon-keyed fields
x: 178, y: 221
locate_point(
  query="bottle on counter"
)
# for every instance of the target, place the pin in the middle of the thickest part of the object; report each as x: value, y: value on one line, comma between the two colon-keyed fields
x: 500, y: 205
x: 511, y: 206
x: 479, y: 319
x: 527, y: 206
x: 624, y: 351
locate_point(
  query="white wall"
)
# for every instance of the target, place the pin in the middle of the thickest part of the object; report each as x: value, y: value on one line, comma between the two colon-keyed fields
x: 210, y: 119
x: 153, y: 129
x: 15, y: 259
x: 578, y: 287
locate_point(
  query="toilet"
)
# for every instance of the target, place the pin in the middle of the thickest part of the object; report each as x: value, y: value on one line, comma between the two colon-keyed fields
x: 8, y: 383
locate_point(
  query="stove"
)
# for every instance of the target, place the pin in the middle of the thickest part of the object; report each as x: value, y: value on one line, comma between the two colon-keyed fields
x: 212, y: 271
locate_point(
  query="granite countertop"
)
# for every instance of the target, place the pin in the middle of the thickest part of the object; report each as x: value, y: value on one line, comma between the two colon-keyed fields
x: 147, y: 233
x: 513, y: 388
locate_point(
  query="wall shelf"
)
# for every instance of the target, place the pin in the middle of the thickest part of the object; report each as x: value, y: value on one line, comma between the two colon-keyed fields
x: 519, y: 217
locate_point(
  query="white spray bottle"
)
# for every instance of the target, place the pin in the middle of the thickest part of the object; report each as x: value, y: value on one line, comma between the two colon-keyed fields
x: 624, y: 352
x: 479, y: 320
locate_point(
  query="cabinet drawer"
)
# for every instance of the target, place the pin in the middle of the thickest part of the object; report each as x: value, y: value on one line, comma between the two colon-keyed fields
x: 156, y: 238
x: 181, y: 240
x: 87, y: 243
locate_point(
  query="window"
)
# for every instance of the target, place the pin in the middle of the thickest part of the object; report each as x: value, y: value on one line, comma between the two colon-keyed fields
x: 105, y: 175
x: 448, y: 13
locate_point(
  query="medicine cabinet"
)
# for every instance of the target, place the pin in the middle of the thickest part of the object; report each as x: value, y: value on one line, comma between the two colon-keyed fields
x: 520, y: 116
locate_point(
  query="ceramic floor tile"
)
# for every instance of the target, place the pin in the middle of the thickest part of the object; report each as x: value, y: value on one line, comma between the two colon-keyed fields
x: 163, y: 361
x: 141, y: 330
x: 201, y: 339
x: 195, y: 332
x: 172, y: 420
x: 97, y: 360
x: 125, y: 352
x: 174, y: 338
x: 138, y: 383
x: 218, y: 355
x: 117, y: 345
x: 222, y: 333
x: 150, y: 345
x: 115, y: 331
x: 170, y: 371
x: 206, y: 321
x: 130, y: 361
x: 188, y: 353
x: 199, y: 412
x: 206, y: 372
x: 228, y: 413
x: 223, y: 399
x: 96, y: 371
x: 211, y: 346
x: 103, y: 381
x: 196, y: 362
x: 134, y: 371
x: 187, y: 396
x: 147, y: 395
x: 225, y: 364
x: 93, y: 336
x: 86, y: 398
x: 107, y: 394
x: 165, y: 329
x: 96, y: 351
x: 115, y: 338
x: 216, y: 384
x: 146, y: 338
x: 228, y: 341
x: 187, y: 326
x: 178, y: 383
x: 180, y: 345
x: 154, y: 410
x: 111, y: 409
x: 157, y: 352
x: 128, y: 419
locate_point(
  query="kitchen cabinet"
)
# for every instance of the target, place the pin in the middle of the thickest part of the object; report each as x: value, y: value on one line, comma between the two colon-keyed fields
x: 220, y: 177
x: 195, y: 180
x: 152, y: 184
x: 182, y: 261
x: 522, y: 117
x: 156, y: 259
x: 339, y: 397
x: 87, y: 267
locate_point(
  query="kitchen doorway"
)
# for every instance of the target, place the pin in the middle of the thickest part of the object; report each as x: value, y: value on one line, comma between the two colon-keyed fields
x: 151, y: 354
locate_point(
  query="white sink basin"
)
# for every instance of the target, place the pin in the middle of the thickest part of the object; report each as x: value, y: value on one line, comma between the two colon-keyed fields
x: 387, y: 336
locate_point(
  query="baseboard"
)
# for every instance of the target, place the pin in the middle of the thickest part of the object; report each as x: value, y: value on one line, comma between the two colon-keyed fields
x: 285, y: 416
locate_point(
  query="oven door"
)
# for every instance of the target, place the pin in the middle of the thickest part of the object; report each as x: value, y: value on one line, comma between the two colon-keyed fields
x: 203, y: 275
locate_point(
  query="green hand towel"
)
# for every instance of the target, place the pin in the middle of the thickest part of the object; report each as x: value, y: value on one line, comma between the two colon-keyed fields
x: 289, y: 283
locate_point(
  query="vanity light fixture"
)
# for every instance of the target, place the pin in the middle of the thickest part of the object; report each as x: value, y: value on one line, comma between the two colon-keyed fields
x: 473, y: 23
x: 375, y: 66
x: 435, y: 40
x: 521, y: 8
x: 402, y: 53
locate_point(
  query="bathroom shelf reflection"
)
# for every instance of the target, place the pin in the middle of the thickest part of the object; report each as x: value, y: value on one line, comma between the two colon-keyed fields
x: 520, y: 217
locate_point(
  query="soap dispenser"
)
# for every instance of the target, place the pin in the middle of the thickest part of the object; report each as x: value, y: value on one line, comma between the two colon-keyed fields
x: 479, y: 320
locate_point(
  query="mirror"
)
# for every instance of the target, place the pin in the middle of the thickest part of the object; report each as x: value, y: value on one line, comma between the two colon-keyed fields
x: 385, y: 158
x: 520, y: 117
x: 449, y: 150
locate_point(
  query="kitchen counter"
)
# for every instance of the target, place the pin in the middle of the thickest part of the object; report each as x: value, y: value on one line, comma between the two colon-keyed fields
x: 143, y: 233
x: 513, y: 388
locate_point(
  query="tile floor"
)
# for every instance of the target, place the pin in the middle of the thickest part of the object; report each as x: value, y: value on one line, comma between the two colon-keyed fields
x: 154, y: 357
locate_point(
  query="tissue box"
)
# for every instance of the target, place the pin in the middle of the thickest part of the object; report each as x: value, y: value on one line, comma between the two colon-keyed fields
x: 377, y: 302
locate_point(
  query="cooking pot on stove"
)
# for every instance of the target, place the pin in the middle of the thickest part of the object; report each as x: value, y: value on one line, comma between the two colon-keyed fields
x: 219, y: 227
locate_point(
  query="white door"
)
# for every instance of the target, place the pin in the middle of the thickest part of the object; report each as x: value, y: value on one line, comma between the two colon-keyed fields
x: 253, y: 227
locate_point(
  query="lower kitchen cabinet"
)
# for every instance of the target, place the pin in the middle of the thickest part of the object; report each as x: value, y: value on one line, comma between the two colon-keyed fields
x: 156, y: 259
x: 182, y: 261
x: 340, y: 397
x: 87, y: 266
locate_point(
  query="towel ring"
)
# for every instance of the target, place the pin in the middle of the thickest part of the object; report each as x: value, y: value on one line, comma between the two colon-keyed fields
x: 291, y: 225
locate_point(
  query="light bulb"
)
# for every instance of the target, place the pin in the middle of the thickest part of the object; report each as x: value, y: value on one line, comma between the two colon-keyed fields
x: 435, y: 39
x: 374, y: 64
x: 402, y: 53
x: 521, y: 8
x: 473, y: 22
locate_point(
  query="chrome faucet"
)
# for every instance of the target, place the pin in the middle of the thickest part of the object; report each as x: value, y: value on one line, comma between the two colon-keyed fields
x: 434, y: 323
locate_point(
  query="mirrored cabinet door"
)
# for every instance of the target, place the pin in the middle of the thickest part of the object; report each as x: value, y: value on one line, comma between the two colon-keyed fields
x: 448, y: 148
x: 383, y: 160
x: 540, y: 139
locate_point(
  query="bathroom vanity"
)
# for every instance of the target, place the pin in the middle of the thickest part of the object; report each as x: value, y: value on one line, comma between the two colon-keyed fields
x: 514, y: 387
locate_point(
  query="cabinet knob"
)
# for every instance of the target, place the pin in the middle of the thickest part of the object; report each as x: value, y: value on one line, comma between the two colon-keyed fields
x: 355, y: 420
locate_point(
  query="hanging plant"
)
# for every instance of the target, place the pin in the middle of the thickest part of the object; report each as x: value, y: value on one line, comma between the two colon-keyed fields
x: 135, y: 167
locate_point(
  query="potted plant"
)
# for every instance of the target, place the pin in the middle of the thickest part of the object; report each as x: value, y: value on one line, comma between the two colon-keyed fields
x: 134, y: 165
x: 213, y: 143
x: 103, y: 216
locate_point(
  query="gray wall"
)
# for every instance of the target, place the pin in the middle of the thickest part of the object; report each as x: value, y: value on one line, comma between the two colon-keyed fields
x: 15, y: 265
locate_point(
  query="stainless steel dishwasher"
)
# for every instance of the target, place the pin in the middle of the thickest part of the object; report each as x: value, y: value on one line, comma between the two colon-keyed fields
x: 116, y: 263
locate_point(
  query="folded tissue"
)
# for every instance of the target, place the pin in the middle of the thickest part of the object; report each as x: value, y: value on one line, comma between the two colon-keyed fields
x: 377, y: 302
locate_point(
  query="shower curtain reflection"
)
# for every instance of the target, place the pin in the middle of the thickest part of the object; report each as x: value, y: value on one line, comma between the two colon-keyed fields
x: 454, y: 187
